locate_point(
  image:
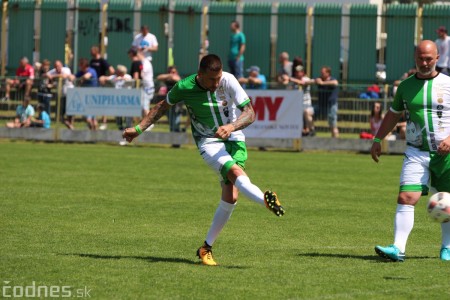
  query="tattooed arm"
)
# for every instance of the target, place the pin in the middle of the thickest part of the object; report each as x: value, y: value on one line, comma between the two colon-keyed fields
x: 246, y: 118
x: 153, y: 115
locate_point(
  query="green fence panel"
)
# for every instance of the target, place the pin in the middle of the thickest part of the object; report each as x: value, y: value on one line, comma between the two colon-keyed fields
x: 88, y: 28
x: 154, y: 14
x: 53, y: 29
x: 434, y: 16
x: 362, y: 56
x: 326, y: 45
x: 21, y: 33
x: 220, y: 14
x: 400, y: 29
x: 257, y: 17
x: 120, y: 31
x: 291, y: 33
x: 187, y: 37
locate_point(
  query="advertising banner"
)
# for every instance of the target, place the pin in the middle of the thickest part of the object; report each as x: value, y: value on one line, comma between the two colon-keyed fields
x: 279, y: 114
x: 104, y: 102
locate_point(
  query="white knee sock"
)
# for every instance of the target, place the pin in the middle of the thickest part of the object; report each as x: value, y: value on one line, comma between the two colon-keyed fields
x: 403, y: 224
x: 249, y: 190
x: 445, y: 234
x: 222, y: 215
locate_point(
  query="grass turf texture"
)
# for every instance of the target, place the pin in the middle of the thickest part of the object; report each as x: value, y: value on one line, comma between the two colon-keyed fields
x: 125, y: 222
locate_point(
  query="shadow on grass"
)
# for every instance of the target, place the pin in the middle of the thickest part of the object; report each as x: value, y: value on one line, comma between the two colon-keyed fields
x: 373, y: 258
x: 150, y: 259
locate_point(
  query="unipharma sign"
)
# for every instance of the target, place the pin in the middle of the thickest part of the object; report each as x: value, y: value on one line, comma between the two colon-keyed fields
x: 104, y: 102
x: 279, y: 114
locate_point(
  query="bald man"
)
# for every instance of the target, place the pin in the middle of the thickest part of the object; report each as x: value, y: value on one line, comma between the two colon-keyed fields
x: 425, y: 100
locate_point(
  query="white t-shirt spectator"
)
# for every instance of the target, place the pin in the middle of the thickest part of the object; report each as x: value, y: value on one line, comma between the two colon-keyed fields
x: 64, y: 71
x: 141, y: 42
x: 444, y: 52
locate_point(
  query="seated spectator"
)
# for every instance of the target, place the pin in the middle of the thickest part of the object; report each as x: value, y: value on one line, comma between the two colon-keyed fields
x: 24, y: 113
x: 24, y: 79
x: 43, y: 119
x: 255, y: 80
x: 372, y: 92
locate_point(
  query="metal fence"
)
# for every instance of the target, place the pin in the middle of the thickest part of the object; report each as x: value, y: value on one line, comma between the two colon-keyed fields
x: 353, y: 114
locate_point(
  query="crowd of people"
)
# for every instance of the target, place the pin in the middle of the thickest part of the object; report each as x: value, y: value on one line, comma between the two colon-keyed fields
x: 96, y: 71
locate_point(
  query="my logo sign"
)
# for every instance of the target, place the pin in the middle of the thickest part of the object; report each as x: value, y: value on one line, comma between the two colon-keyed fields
x: 266, y: 104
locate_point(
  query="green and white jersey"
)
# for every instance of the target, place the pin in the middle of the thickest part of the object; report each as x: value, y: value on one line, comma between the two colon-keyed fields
x: 426, y: 103
x: 209, y: 111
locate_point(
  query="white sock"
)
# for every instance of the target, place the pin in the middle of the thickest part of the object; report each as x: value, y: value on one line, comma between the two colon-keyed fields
x: 403, y: 224
x: 249, y: 190
x: 445, y: 235
x: 221, y: 217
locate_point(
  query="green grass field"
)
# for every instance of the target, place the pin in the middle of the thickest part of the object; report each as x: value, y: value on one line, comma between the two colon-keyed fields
x: 125, y: 223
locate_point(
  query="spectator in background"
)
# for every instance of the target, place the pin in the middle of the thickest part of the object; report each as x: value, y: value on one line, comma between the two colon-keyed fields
x: 443, y: 46
x: 174, y: 113
x: 285, y: 71
x: 147, y: 85
x: 59, y: 71
x: 255, y: 79
x: 376, y: 117
x: 43, y: 119
x: 119, y: 80
x: 45, y: 86
x: 328, y: 91
x: 303, y: 82
x: 136, y: 64
x: 87, y: 77
x: 146, y: 42
x: 297, y: 61
x: 24, y: 113
x: 24, y: 79
x: 103, y: 68
x: 405, y: 75
x: 237, y: 49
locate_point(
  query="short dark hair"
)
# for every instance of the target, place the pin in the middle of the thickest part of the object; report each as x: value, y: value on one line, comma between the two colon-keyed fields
x: 133, y: 51
x: 210, y: 62
x: 236, y: 23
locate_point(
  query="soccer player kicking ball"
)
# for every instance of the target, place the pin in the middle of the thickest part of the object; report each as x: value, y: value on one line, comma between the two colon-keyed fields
x: 425, y: 99
x: 212, y: 98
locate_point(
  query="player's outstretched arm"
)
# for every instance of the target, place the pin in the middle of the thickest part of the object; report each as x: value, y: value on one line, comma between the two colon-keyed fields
x: 246, y: 118
x: 155, y: 113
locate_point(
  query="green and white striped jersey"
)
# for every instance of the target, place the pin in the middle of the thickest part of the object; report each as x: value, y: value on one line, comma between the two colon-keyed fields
x: 209, y: 111
x: 426, y: 103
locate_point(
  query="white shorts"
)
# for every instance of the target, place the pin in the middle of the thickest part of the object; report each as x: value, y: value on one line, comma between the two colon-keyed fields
x: 221, y: 156
x: 415, y: 175
x: 147, y: 94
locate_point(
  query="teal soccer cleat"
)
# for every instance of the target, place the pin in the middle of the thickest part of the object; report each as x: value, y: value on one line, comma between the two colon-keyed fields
x: 445, y: 254
x: 390, y: 252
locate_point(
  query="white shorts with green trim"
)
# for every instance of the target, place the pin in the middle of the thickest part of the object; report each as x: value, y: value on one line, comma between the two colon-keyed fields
x: 415, y: 175
x: 221, y: 156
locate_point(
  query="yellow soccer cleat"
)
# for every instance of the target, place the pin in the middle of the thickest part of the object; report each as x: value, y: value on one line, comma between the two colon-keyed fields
x: 205, y: 254
x: 272, y: 203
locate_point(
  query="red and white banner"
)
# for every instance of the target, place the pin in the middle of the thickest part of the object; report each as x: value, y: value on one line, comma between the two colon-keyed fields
x: 279, y: 114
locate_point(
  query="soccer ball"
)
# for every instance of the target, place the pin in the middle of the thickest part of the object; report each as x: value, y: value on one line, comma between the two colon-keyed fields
x: 439, y: 207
